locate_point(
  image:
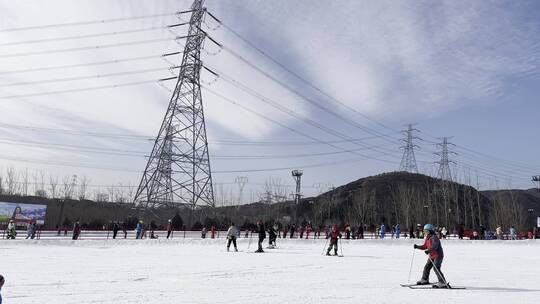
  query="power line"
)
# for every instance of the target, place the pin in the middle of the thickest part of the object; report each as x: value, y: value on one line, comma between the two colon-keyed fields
x: 308, y: 99
x: 99, y: 21
x: 285, y: 126
x: 290, y: 112
x: 101, y: 87
x: 75, y: 37
x: 67, y: 66
x: 95, y: 47
x: 287, y: 69
x: 149, y: 137
x: 67, y: 79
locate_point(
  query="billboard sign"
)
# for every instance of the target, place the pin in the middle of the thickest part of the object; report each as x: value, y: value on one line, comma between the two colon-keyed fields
x: 22, y: 213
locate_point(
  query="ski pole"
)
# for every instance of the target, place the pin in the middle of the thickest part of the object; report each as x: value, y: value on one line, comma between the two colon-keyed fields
x: 410, y: 269
x: 439, y: 273
x: 325, y: 244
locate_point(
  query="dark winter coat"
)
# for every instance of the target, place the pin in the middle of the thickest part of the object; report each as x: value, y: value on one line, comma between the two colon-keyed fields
x: 262, y: 232
x: 433, y: 245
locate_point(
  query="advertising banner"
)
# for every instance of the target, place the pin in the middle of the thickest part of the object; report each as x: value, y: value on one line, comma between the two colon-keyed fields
x: 22, y: 213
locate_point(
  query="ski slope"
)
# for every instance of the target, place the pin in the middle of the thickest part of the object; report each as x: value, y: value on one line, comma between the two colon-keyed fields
x: 202, y: 271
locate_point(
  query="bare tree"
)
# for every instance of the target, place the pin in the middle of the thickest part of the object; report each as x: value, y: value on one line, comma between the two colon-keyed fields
x: 12, y: 180
x: 53, y: 186
x: 69, y: 183
x: 83, y: 186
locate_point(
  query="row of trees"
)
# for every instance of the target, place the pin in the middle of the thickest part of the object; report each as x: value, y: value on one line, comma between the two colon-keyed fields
x: 38, y: 183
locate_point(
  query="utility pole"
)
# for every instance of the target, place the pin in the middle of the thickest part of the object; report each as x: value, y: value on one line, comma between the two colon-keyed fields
x: 178, y: 169
x: 536, y: 178
x: 444, y: 174
x: 408, y: 162
x: 297, y: 175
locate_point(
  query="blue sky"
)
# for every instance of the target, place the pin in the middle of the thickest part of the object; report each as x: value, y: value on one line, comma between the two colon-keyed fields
x: 467, y: 69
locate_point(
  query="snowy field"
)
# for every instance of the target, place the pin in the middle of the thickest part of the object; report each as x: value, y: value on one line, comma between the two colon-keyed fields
x: 202, y: 271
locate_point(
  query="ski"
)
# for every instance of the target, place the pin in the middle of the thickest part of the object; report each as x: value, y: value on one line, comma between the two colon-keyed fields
x: 430, y: 286
x: 414, y: 284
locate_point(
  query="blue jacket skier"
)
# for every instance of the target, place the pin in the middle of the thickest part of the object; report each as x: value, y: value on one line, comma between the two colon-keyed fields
x: 397, y: 230
x: 383, y: 231
x: 139, y: 229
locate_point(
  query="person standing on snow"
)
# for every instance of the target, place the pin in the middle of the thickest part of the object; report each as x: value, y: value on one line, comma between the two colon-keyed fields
x: 232, y: 233
x: 11, y: 230
x: 382, y: 230
x: 513, y: 235
x: 499, y: 232
x: 76, y: 231
x: 272, y: 237
x: 433, y: 248
x: 138, y: 230
x: 334, y: 235
x: 115, y: 229
x: 262, y: 235
x: 169, y: 228
x: 397, y: 230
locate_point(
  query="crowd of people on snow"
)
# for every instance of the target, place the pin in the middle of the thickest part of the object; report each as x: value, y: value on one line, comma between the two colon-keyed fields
x: 304, y: 231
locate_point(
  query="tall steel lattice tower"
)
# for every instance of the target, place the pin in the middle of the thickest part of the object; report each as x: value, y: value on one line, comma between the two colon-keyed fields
x: 178, y: 170
x: 408, y: 162
x: 444, y: 163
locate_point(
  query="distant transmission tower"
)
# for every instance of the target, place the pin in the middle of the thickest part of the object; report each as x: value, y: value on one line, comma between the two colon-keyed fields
x: 297, y: 175
x: 408, y: 162
x: 444, y: 163
x: 178, y: 170
x: 241, y: 181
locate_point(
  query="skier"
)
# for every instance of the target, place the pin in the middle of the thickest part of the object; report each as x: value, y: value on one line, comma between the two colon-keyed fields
x: 231, y: 236
x: 169, y: 228
x: 76, y: 230
x: 334, y: 235
x: 383, y: 231
x: 444, y: 232
x: 213, y: 231
x: 138, y: 230
x: 124, y: 230
x: 499, y: 232
x: 115, y: 229
x: 11, y: 230
x: 513, y: 235
x: 292, y: 230
x: 347, y: 231
x: 272, y: 237
x: 411, y: 232
x: 360, y: 232
x: 32, y: 228
x: 433, y: 248
x: 203, y: 233
x: 262, y: 235
x: 397, y: 230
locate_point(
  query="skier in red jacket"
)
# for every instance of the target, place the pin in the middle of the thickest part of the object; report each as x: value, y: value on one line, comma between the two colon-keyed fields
x: 433, y: 248
x: 334, y: 235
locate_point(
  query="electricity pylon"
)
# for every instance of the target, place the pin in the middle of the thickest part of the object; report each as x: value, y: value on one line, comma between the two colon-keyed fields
x: 178, y: 169
x: 408, y: 162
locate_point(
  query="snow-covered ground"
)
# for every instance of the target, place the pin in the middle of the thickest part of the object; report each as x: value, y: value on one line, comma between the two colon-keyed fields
x: 202, y: 271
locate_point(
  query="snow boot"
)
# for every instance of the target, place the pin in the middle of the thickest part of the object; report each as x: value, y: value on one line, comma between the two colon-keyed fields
x: 422, y: 282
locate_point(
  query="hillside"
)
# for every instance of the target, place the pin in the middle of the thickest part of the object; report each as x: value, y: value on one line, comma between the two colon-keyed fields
x: 397, y: 197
